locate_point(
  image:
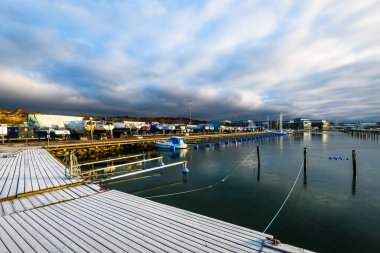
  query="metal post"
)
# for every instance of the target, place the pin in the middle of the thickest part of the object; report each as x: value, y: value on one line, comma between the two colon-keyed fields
x: 3, y: 139
x: 258, y: 157
x: 48, y: 137
x: 236, y: 122
x: 354, y: 167
x: 71, y: 164
x: 184, y: 172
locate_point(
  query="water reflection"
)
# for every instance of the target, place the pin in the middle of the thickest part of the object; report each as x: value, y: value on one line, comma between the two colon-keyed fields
x: 332, y: 213
x: 325, y: 137
x: 176, y: 154
x: 307, y: 137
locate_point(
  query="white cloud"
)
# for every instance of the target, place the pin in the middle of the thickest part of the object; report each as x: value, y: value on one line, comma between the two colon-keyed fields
x: 319, y: 58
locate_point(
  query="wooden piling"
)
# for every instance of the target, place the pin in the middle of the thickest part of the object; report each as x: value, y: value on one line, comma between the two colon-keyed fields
x: 305, y: 161
x: 258, y: 157
x: 354, y: 165
x: 305, y: 166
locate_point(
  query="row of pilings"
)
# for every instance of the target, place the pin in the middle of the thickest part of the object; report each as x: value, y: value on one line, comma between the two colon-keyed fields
x: 372, y: 135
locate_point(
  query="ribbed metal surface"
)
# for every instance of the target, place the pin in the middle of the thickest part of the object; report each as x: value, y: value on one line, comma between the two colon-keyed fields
x: 29, y: 171
x: 118, y: 222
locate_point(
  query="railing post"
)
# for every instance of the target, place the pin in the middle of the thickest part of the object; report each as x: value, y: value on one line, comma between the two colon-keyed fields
x: 71, y: 164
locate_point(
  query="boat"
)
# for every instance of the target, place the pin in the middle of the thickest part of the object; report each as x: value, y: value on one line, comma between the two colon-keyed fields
x: 79, y: 127
x: 102, y: 125
x: 173, y: 143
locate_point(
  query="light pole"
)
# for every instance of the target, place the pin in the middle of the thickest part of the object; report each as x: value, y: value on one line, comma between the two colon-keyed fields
x: 48, y: 137
x: 92, y: 130
x: 190, y: 101
x: 236, y: 113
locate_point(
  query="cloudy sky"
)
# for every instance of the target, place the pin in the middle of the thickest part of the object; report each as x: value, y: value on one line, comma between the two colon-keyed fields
x: 318, y: 59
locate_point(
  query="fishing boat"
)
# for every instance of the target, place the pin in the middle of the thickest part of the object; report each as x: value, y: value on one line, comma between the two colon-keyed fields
x: 173, y: 142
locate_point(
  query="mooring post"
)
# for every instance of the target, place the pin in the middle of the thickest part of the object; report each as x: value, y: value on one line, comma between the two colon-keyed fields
x: 354, y: 168
x: 305, y: 161
x: 258, y: 157
x: 161, y: 164
x: 304, y: 165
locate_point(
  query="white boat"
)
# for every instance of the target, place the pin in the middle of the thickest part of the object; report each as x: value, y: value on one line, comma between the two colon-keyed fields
x: 78, y: 126
x: 104, y: 126
x: 173, y: 142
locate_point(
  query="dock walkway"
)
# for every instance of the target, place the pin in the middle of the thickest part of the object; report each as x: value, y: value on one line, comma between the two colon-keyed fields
x: 31, y: 170
x: 43, y: 211
x: 47, y: 198
x: 118, y: 222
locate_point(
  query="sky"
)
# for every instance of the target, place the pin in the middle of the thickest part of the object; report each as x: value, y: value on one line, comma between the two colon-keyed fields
x: 247, y: 59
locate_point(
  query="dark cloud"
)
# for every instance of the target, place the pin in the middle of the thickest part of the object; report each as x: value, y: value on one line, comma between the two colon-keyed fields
x: 150, y: 58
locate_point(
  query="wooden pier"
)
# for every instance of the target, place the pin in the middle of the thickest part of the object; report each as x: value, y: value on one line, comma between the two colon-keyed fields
x: 148, y: 139
x: 52, y: 213
x: 88, y: 148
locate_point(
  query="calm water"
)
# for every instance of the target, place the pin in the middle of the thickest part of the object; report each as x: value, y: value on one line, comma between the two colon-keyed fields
x: 329, y: 214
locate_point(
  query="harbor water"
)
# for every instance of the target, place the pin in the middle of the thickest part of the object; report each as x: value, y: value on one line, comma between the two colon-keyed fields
x: 330, y: 213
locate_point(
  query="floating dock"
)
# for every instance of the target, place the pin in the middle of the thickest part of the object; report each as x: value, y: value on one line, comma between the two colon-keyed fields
x: 44, y: 211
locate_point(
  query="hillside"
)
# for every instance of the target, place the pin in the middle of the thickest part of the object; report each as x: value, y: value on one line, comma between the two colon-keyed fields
x: 12, y: 117
x: 18, y: 117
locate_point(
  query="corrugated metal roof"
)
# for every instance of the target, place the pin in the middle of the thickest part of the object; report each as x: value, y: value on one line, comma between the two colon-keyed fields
x: 118, y: 222
x: 30, y: 171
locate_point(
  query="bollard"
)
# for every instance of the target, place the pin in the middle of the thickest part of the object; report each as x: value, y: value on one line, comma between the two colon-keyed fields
x: 354, y: 167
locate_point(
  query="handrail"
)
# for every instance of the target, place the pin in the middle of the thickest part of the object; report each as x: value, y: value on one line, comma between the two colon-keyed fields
x: 142, y: 171
x: 109, y: 160
x: 124, y: 164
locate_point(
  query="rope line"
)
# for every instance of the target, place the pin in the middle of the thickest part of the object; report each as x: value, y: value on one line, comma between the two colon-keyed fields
x: 286, y: 199
x: 206, y: 187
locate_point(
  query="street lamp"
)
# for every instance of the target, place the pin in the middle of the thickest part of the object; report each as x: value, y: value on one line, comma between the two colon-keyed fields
x: 190, y: 101
x: 92, y: 126
x: 236, y: 113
